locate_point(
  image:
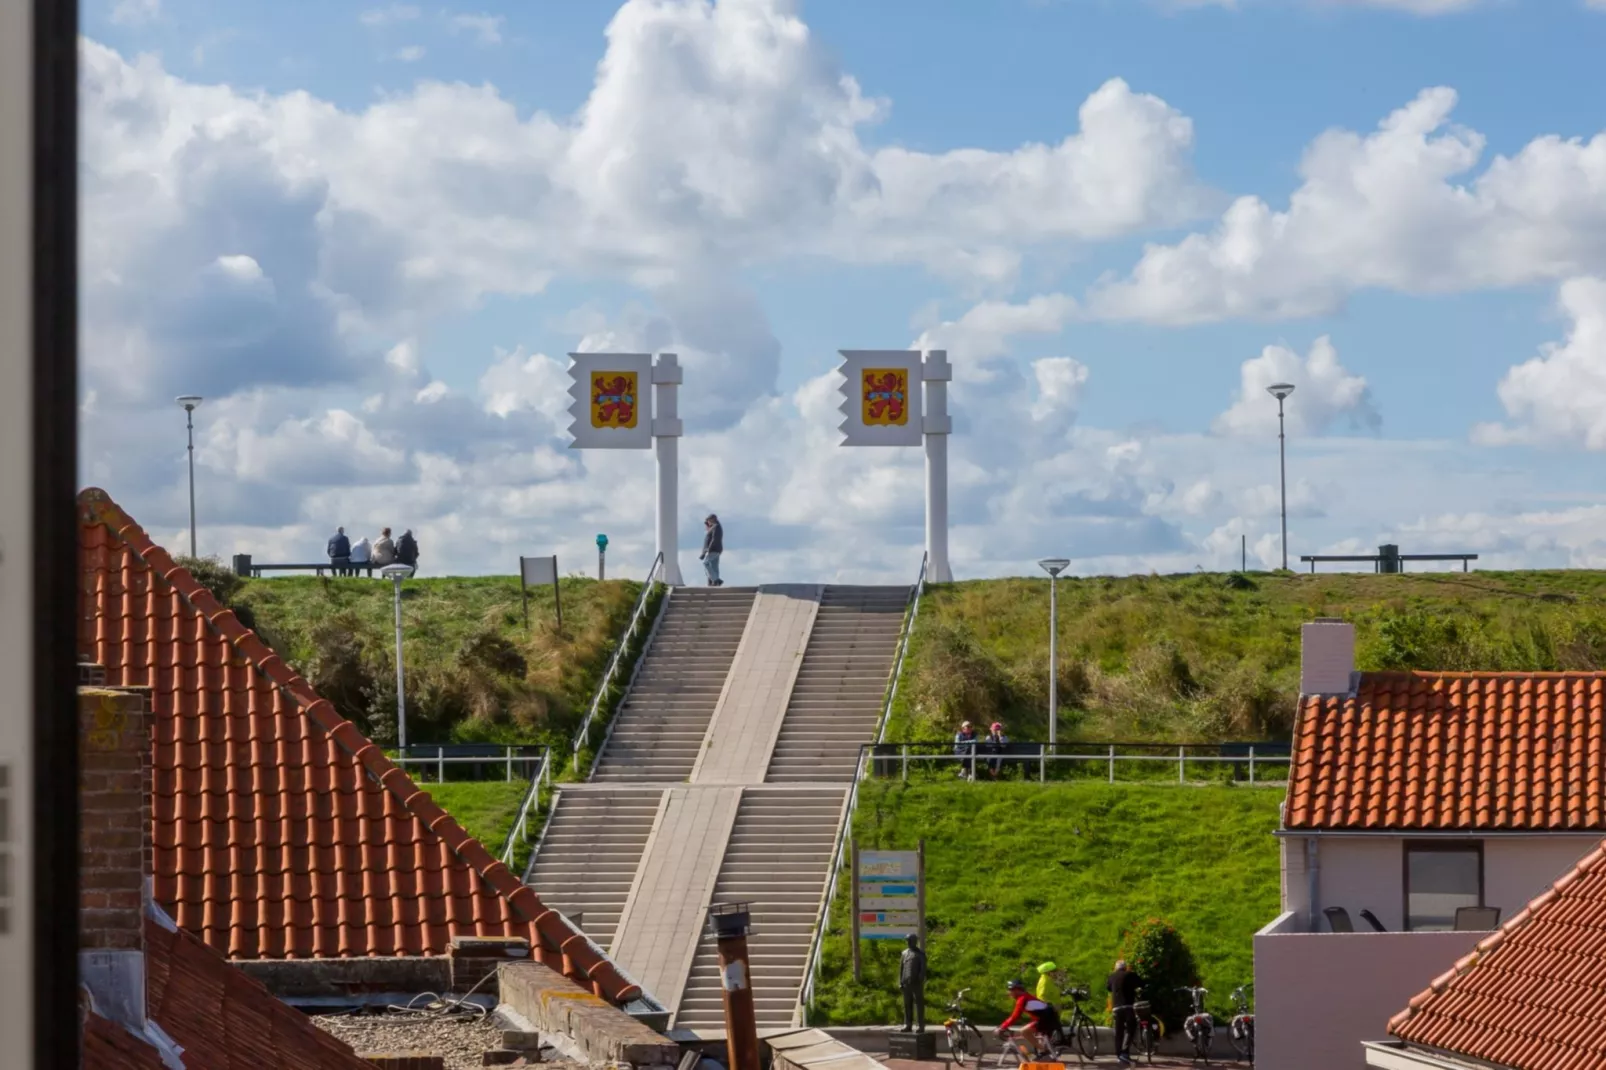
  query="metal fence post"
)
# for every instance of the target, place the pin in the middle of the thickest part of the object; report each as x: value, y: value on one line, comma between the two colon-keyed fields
x: 510, y: 763
x: 906, y: 763
x: 1251, y: 763
x: 1182, y: 765
x: 440, y: 764
x: 1112, y: 763
x: 1042, y: 765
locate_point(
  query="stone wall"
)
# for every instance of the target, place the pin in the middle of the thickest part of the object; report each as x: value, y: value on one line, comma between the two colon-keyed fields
x: 602, y: 1033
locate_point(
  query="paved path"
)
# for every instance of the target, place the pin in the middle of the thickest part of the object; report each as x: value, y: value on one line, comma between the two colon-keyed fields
x: 667, y: 907
x: 747, y: 721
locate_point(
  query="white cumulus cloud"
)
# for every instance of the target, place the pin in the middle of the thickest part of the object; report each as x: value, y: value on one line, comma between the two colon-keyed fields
x: 1325, y: 393
x: 1383, y: 211
x: 1559, y: 397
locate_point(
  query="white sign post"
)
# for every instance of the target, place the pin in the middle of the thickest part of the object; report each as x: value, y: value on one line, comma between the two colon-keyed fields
x: 612, y: 410
x: 881, y: 406
x: 534, y: 571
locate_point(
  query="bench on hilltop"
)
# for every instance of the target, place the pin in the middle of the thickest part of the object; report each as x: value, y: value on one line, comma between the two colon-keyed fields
x: 249, y: 569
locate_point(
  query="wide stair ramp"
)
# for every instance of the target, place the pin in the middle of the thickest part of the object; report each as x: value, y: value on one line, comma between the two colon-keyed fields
x: 590, y: 852
x: 776, y: 860
x: 837, y: 697
x: 659, y: 730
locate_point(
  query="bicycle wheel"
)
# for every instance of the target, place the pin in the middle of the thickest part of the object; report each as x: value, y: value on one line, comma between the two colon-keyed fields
x: 1243, y: 1042
x: 1087, y: 1039
x: 1201, y: 1045
x: 1148, y: 1038
x: 975, y: 1043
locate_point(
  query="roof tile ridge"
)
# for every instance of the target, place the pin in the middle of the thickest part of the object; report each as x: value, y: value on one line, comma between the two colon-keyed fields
x: 1489, y: 943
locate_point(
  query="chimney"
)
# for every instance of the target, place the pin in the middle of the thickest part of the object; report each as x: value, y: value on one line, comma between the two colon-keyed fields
x: 114, y: 845
x: 1327, y: 657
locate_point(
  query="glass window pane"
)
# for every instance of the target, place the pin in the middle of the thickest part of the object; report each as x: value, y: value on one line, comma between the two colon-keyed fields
x: 1437, y: 882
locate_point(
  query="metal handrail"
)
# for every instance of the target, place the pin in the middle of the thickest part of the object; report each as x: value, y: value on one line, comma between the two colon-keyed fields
x: 1029, y: 751
x: 531, y: 800
x: 523, y: 754
x: 812, y: 970
x: 583, y: 735
x: 529, y: 863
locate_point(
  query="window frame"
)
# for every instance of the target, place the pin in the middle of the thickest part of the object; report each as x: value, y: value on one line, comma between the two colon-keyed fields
x: 1456, y: 846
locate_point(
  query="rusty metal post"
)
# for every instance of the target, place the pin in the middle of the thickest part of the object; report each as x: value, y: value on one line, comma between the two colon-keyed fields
x: 731, y: 922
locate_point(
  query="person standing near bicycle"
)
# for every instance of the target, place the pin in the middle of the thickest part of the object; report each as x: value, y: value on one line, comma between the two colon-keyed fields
x: 1123, y: 986
x: 1041, y: 1022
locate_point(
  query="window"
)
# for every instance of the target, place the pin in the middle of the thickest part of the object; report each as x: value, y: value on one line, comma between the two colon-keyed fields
x: 1439, y: 877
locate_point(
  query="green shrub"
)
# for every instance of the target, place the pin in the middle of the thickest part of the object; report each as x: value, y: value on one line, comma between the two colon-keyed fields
x: 1156, y: 952
x: 214, y: 575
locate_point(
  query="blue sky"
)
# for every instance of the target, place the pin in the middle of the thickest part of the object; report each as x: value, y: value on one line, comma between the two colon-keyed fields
x: 1428, y: 303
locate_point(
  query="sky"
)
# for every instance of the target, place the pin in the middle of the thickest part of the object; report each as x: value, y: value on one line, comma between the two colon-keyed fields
x: 369, y: 236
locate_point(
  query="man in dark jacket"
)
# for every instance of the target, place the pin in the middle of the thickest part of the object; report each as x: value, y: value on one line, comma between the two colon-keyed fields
x: 1123, y: 985
x: 339, y: 553
x: 713, y: 546
x: 407, y: 549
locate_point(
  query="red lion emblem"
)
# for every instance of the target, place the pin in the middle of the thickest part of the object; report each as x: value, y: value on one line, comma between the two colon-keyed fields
x: 884, y: 397
x: 614, y: 401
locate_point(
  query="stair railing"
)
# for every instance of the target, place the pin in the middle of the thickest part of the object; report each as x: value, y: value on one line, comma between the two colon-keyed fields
x: 583, y: 736
x: 529, y: 863
x: 531, y: 800
x: 811, y: 972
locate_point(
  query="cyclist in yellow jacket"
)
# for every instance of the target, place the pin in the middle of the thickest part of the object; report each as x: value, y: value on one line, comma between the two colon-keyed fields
x: 1045, y: 980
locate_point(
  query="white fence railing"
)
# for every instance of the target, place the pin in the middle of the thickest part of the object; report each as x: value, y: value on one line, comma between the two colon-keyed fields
x: 811, y: 971
x: 527, y: 760
x: 1030, y: 757
x: 582, y: 737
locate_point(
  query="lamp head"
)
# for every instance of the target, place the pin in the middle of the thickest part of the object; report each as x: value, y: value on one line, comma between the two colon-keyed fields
x: 1280, y: 390
x: 1054, y: 565
x: 396, y: 573
x: 602, y: 542
x: 188, y: 402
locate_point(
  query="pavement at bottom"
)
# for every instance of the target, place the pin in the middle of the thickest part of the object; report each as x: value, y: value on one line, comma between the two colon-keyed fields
x: 1170, y: 1062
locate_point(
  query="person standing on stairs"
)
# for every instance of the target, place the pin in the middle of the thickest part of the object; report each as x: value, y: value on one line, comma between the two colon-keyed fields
x: 713, y: 546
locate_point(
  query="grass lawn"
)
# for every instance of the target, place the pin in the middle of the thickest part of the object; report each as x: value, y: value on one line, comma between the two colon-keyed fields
x: 474, y: 672
x: 1020, y: 873
x: 1211, y: 656
x: 485, y: 809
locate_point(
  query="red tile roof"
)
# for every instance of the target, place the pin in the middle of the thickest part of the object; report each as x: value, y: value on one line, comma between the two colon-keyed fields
x: 280, y: 830
x: 1533, y: 994
x: 222, y: 1019
x: 1431, y: 750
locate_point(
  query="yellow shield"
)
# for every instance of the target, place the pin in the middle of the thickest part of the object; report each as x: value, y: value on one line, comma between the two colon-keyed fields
x: 614, y: 400
x: 884, y: 397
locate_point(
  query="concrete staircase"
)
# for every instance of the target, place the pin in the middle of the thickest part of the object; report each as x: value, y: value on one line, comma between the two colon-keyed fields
x: 776, y: 860
x: 841, y: 684
x: 659, y: 730
x: 590, y: 853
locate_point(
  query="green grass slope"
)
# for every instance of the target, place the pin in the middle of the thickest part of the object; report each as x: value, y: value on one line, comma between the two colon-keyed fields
x: 486, y: 809
x: 473, y: 672
x: 1020, y: 873
x: 1216, y: 656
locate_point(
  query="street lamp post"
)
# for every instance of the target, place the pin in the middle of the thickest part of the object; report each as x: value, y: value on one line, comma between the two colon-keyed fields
x: 1053, y: 566
x: 189, y: 402
x: 1281, y: 391
x: 397, y: 573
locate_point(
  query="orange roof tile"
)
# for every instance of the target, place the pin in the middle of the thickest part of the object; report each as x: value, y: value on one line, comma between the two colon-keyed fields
x: 280, y: 830
x: 223, y: 1019
x: 1431, y: 750
x: 1533, y: 994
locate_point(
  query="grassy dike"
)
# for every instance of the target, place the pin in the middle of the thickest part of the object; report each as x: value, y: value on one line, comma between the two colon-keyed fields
x: 1018, y: 873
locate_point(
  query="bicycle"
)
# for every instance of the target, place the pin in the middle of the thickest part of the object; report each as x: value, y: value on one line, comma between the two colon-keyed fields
x: 1242, y: 1030
x: 1017, y: 1051
x: 1148, y: 1028
x: 1199, y: 1027
x: 1079, y: 1029
x: 964, y: 1039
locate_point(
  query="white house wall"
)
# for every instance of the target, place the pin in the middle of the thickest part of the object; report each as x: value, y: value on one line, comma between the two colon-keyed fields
x: 1356, y: 872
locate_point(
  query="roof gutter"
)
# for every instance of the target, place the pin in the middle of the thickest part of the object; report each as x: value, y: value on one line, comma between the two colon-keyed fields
x: 1433, y: 834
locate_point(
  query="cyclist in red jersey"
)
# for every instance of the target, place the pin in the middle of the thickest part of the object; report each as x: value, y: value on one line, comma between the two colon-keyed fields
x: 1041, y: 1019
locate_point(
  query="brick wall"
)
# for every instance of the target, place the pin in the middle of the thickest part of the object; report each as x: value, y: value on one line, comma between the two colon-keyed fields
x: 114, y: 790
